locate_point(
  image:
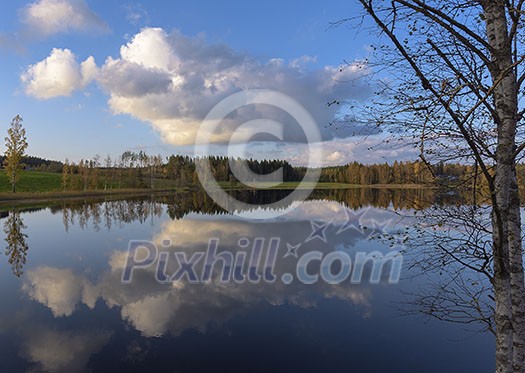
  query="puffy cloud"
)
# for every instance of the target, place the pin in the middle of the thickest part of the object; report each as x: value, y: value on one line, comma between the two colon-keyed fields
x: 58, y: 75
x: 132, y: 79
x: 172, y: 81
x: 88, y: 70
x: 151, y: 49
x: 48, y: 17
x: 201, y: 74
x: 335, y: 157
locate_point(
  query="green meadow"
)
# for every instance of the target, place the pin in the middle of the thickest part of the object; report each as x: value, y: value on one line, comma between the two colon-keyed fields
x: 32, y: 181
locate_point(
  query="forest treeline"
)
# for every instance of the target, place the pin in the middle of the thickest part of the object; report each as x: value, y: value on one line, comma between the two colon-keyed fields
x: 38, y: 164
x: 140, y: 170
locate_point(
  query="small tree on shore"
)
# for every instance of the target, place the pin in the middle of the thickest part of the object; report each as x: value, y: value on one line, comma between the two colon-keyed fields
x: 16, y: 144
x: 65, y: 175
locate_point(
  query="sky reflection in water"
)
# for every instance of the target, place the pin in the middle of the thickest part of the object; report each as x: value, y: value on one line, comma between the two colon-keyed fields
x: 69, y: 310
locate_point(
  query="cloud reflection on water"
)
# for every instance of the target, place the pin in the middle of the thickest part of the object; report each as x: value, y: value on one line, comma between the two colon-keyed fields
x: 156, y: 309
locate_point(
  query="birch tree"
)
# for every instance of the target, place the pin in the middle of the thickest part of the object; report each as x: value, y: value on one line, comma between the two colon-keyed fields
x: 452, y: 80
x: 84, y: 171
x: 109, y: 171
x: 16, y: 144
x: 65, y: 175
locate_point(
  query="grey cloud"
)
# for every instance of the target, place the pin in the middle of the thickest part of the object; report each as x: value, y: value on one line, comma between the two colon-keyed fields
x: 203, y: 74
x: 132, y: 80
x: 172, y: 81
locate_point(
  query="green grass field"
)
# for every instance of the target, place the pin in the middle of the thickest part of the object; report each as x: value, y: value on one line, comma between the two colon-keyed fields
x: 43, y: 182
x: 32, y: 181
x: 37, y: 188
x: 36, y: 184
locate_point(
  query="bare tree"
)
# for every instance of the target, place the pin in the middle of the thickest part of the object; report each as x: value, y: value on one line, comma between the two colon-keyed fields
x: 84, y: 171
x: 94, y: 166
x: 453, y: 74
x: 109, y: 171
x: 155, y: 163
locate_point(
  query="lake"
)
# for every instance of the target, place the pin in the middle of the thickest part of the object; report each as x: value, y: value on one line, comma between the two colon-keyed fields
x: 66, y: 306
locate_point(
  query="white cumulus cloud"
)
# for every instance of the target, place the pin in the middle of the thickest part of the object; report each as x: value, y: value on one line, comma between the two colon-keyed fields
x: 58, y: 75
x: 48, y: 17
x: 172, y: 81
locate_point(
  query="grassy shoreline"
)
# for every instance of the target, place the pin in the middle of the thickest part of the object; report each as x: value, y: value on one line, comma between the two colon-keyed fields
x: 7, y: 198
x: 43, y: 187
x: 24, y: 198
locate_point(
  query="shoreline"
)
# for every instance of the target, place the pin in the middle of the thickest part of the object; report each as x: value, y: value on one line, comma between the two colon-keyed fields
x: 24, y: 198
x: 19, y: 198
x: 325, y: 185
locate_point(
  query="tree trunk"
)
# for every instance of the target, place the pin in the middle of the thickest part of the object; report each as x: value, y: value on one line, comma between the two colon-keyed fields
x: 517, y: 281
x: 503, y: 320
x: 13, y: 182
x: 509, y: 286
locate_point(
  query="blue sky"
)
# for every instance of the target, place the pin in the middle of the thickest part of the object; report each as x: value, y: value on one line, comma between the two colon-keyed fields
x: 64, y: 70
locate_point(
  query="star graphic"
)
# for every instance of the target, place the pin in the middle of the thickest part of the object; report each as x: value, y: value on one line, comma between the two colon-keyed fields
x: 382, y: 226
x: 379, y: 228
x: 351, y: 219
x: 318, y: 231
x: 292, y: 250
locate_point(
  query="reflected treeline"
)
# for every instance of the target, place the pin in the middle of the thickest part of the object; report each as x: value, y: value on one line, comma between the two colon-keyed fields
x: 406, y: 198
x: 105, y: 213
x: 353, y: 198
x: 396, y: 199
x: 16, y: 239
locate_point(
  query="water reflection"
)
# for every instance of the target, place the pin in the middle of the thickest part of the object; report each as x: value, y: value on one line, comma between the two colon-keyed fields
x: 107, y: 214
x: 62, y: 351
x: 15, y: 238
x: 155, y: 309
x: 99, y: 214
x: 75, y: 313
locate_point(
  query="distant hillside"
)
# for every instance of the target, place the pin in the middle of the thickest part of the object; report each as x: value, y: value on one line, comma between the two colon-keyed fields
x: 37, y: 163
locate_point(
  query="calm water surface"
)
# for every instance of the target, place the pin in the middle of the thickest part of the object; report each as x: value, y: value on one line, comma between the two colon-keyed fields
x: 65, y: 309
